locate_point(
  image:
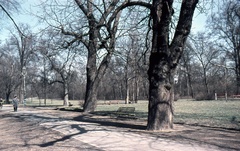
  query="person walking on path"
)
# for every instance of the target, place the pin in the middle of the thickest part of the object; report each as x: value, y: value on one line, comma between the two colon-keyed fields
x: 1, y: 102
x: 15, y: 103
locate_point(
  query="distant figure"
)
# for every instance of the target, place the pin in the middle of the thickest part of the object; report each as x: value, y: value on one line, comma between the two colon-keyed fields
x: 1, y: 102
x: 15, y: 103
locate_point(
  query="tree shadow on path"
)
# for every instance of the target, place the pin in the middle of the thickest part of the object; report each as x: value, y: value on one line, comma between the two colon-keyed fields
x: 121, y: 123
x: 66, y: 137
x: 222, y: 138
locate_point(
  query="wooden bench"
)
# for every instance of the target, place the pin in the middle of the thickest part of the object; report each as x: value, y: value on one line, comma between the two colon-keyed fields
x: 126, y: 112
x: 70, y: 104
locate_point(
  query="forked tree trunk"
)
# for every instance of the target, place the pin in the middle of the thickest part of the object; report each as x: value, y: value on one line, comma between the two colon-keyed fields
x: 94, y: 77
x: 164, y: 58
x: 160, y: 114
x: 95, y: 72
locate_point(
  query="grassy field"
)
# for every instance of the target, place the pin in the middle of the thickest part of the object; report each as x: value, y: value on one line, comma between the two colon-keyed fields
x: 208, y: 113
x: 205, y: 113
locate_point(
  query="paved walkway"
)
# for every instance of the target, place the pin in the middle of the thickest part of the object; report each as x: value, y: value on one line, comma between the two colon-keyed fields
x: 69, y: 134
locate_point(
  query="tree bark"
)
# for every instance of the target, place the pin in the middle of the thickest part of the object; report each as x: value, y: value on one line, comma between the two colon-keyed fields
x: 164, y: 59
x: 91, y: 88
x: 160, y: 112
x: 94, y: 74
x: 65, y: 86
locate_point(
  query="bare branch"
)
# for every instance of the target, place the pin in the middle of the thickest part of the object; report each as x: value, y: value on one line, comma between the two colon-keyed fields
x: 15, y: 24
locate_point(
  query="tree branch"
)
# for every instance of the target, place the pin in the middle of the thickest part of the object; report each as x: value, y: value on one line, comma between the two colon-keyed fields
x: 12, y: 20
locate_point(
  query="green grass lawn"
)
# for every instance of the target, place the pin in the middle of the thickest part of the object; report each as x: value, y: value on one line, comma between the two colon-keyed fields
x: 206, y: 113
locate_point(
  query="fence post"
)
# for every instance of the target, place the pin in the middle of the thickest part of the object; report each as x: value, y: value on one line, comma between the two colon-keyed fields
x: 216, y: 96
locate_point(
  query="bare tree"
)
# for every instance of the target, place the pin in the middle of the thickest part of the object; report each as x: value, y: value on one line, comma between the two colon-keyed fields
x: 164, y: 59
x: 204, y: 54
x: 24, y: 45
x: 9, y: 73
x: 63, y: 67
x: 97, y: 32
x: 58, y: 62
x: 225, y: 26
x: 186, y: 70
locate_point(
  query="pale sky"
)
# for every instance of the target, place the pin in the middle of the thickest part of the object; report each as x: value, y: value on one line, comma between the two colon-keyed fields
x: 198, y: 24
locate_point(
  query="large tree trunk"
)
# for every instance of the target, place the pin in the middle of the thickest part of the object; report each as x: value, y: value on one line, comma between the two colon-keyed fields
x: 160, y: 107
x: 164, y: 58
x: 160, y: 112
x: 94, y: 74
x: 91, y: 88
x: 237, y: 71
x: 8, y: 97
x: 90, y: 98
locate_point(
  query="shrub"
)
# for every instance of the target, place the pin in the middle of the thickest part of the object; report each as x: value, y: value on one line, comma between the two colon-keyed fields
x: 203, y: 96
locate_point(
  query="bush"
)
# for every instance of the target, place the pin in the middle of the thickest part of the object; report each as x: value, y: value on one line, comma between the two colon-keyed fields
x: 176, y: 97
x: 202, y: 96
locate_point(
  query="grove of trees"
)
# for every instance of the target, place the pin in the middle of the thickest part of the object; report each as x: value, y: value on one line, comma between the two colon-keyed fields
x: 123, y: 50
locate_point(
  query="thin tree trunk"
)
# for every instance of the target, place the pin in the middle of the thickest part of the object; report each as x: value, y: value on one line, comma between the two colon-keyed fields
x: 206, y: 83
x: 127, y: 91
x: 136, y: 90
x: 190, y: 84
x: 65, y: 103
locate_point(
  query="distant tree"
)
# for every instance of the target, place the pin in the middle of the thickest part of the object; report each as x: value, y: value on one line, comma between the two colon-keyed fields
x: 96, y: 31
x: 132, y: 56
x: 9, y: 73
x: 64, y: 68
x: 59, y: 63
x: 25, y: 47
x: 186, y: 70
x: 204, y: 55
x: 225, y: 26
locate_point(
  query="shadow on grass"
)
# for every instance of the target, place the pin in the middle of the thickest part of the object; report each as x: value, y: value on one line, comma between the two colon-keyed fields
x: 70, y: 109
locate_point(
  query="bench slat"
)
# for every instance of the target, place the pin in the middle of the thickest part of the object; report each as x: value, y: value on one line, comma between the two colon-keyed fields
x: 125, y: 112
x: 126, y: 109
